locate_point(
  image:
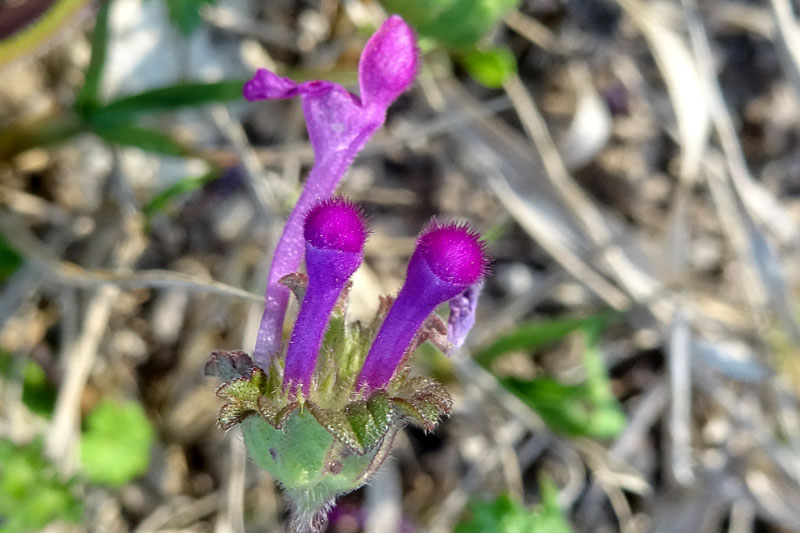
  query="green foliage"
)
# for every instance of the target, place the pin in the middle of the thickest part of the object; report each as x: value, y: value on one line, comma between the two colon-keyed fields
x: 454, y: 23
x: 490, y: 67
x: 169, y: 98
x: 142, y: 138
x: 185, y: 14
x: 504, y: 515
x: 161, y: 201
x: 459, y: 25
x: 114, y: 121
x: 10, y: 260
x: 116, y: 444
x: 31, y: 495
x: 538, y: 334
x: 37, y: 394
x: 89, y: 96
x: 585, y: 409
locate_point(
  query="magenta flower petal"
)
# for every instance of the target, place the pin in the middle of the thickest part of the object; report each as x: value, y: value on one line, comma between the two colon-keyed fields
x: 334, y: 233
x: 386, y: 68
x: 448, y: 260
x: 462, y: 314
x: 267, y: 85
x: 339, y: 125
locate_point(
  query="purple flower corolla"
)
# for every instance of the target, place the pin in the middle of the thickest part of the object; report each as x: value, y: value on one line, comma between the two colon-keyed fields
x: 447, y: 260
x: 462, y: 314
x: 339, y: 124
x: 334, y: 233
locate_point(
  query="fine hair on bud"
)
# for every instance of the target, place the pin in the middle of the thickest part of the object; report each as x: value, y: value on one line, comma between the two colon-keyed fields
x: 335, y: 233
x: 448, y: 259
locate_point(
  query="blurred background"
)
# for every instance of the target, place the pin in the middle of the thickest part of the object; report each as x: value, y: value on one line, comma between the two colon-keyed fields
x: 633, y: 165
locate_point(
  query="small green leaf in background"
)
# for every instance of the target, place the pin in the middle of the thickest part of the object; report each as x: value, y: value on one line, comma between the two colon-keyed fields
x: 586, y: 409
x: 142, y: 138
x: 10, y: 260
x: 490, y: 67
x: 169, y: 98
x: 185, y: 14
x: 537, y: 334
x: 31, y: 495
x: 38, y: 394
x: 115, y: 447
x: 161, y: 200
x: 454, y: 23
x: 504, y: 515
x: 88, y: 97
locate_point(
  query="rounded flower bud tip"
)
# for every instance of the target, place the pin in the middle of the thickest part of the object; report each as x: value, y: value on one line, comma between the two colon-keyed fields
x: 453, y: 252
x: 336, y: 224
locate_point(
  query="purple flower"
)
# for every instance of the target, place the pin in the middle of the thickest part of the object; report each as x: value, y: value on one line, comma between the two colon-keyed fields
x: 448, y: 260
x: 339, y: 124
x: 334, y: 233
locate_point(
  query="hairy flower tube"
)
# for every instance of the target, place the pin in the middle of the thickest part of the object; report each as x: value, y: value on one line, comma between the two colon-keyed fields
x: 335, y: 233
x: 339, y: 125
x: 448, y: 260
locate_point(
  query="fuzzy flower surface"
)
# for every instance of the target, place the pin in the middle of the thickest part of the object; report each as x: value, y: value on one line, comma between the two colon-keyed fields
x: 448, y: 260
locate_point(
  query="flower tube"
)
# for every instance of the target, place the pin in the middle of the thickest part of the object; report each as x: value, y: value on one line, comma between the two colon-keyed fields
x: 448, y: 259
x: 339, y: 125
x: 334, y: 233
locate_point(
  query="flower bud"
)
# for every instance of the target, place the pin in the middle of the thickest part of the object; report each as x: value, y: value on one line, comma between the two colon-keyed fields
x: 448, y: 259
x: 334, y: 233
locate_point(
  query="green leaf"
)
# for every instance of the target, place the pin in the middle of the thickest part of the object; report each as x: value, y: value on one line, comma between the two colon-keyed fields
x: 88, y: 97
x: 490, y: 67
x: 504, y: 515
x: 169, y: 98
x: 37, y: 393
x: 116, y: 444
x: 185, y: 14
x: 587, y: 409
x: 10, y: 260
x: 454, y: 23
x: 143, y: 138
x: 534, y: 335
x: 31, y: 494
x: 161, y: 200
